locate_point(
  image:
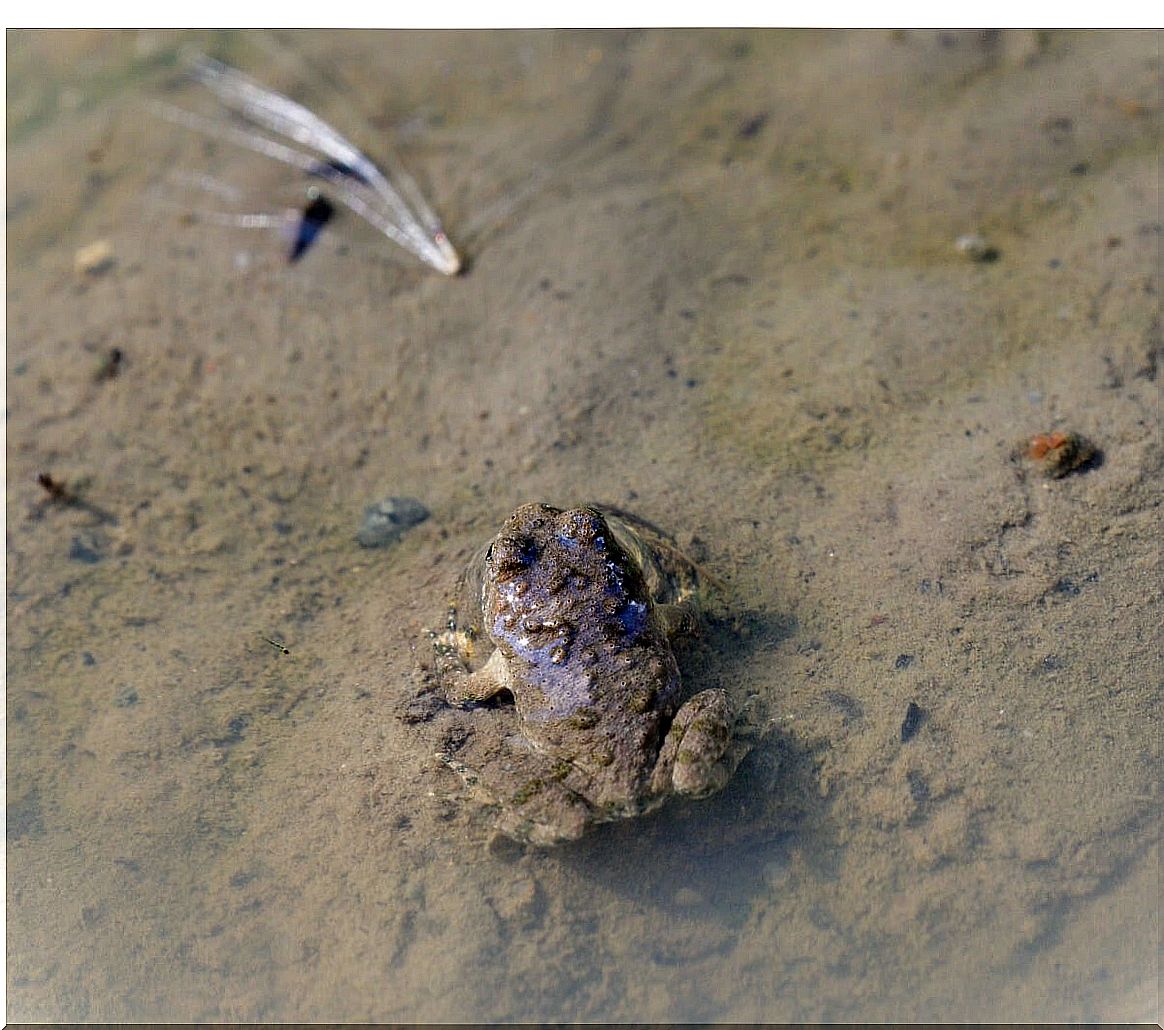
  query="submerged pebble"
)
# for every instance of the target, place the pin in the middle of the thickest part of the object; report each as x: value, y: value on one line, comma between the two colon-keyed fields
x: 389, y: 519
x: 88, y: 549
x: 912, y: 721
x: 976, y: 248
x: 94, y: 259
x: 1060, y: 453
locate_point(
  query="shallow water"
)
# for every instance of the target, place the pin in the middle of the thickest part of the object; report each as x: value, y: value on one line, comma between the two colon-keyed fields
x: 713, y: 280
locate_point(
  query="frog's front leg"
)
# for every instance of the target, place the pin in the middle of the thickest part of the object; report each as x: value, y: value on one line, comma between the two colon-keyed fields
x: 490, y: 680
x: 697, y: 758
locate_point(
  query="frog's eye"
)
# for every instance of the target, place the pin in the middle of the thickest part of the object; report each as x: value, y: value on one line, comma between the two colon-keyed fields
x: 509, y: 555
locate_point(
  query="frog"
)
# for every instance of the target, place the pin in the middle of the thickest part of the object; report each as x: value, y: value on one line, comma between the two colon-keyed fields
x: 559, y: 652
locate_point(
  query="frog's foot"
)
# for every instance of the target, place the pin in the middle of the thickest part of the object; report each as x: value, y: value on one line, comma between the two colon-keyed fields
x: 526, y: 791
x: 698, y: 757
x: 458, y: 647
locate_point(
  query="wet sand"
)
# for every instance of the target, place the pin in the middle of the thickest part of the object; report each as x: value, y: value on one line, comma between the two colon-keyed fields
x: 714, y: 281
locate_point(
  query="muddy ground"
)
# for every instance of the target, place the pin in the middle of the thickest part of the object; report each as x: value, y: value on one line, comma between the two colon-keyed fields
x: 713, y: 279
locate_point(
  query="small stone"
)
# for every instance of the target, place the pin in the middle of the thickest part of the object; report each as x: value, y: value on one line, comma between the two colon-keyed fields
x: 752, y: 126
x: 976, y: 247
x: 94, y: 259
x: 388, y: 520
x: 1060, y: 453
x: 88, y: 549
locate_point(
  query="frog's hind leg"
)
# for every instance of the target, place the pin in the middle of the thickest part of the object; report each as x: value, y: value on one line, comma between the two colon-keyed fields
x: 525, y: 790
x: 677, y: 620
x: 543, y: 812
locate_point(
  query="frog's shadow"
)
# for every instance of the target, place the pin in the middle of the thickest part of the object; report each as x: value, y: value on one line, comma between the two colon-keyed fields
x: 731, y: 846
x: 711, y: 858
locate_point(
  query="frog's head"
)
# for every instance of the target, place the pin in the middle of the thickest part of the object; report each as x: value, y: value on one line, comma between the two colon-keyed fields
x: 559, y: 548
x: 554, y: 568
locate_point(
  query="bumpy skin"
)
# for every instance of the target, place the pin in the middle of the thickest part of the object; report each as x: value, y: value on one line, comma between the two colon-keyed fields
x: 580, y: 611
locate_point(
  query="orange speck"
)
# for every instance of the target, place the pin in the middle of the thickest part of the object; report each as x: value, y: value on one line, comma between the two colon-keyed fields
x: 1131, y: 108
x: 1045, y: 442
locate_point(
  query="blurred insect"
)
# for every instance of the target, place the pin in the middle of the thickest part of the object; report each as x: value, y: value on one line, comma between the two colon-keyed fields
x: 316, y: 215
x: 281, y: 648
x: 390, y: 201
x: 60, y: 494
x: 300, y: 222
x: 56, y: 490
